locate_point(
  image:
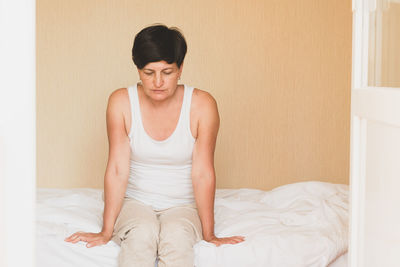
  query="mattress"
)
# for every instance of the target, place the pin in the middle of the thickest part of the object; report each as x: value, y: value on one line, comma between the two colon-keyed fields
x: 300, y: 224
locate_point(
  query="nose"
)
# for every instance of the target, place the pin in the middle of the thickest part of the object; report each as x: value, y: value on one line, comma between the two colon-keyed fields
x: 158, y: 80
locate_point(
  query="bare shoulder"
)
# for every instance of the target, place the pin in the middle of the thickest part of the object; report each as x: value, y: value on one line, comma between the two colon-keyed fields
x: 205, y: 111
x: 118, y: 96
x: 119, y: 101
x: 118, y: 109
x: 204, y: 102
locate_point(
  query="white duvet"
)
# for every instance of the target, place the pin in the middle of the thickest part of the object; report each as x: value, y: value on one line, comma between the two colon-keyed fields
x: 301, y: 224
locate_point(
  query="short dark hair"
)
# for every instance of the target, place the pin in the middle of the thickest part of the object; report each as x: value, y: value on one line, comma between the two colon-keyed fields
x: 156, y: 43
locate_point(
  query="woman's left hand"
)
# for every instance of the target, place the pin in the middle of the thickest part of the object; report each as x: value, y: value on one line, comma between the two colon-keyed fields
x: 225, y: 240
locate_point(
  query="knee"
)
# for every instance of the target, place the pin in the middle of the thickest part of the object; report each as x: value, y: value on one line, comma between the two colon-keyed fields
x: 176, y: 245
x: 139, y: 246
x: 142, y: 232
x: 177, y: 236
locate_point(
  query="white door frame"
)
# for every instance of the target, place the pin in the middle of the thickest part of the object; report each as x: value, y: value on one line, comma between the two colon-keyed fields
x: 367, y: 103
x: 17, y: 133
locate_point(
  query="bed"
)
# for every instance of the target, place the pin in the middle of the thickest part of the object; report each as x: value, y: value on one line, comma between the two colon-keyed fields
x: 295, y: 225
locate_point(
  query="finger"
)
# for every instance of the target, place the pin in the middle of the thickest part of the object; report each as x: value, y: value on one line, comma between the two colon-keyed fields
x: 92, y: 238
x: 222, y: 241
x: 92, y: 244
x: 96, y: 242
x: 231, y: 241
x: 69, y: 237
x: 72, y: 237
x: 238, y: 239
x: 76, y: 240
x: 75, y: 237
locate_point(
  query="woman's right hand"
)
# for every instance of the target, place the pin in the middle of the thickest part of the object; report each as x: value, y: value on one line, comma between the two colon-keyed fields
x: 92, y: 239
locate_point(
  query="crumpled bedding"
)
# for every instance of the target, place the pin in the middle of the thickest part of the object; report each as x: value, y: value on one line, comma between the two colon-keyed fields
x: 300, y: 224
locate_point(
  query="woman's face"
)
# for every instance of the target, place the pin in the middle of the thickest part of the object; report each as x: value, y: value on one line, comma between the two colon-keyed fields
x: 160, y: 79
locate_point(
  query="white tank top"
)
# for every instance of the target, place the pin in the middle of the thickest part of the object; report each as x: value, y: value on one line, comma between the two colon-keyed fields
x: 160, y: 171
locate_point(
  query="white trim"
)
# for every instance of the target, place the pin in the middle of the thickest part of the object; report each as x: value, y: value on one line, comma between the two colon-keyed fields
x: 17, y: 132
x: 372, y: 5
x: 368, y: 103
x: 364, y: 44
x: 354, y: 192
x: 362, y: 181
x: 357, y: 189
x: 359, y: 80
x: 377, y: 104
x: 357, y: 44
x: 378, y: 48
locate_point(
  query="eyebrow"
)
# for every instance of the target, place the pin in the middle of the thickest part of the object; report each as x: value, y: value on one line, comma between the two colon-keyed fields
x: 169, y: 68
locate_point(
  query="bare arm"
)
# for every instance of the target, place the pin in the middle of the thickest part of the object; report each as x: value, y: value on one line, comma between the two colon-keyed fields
x: 117, y: 171
x: 203, y: 172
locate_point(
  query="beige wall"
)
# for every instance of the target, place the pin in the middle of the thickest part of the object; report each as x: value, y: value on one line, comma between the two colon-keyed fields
x: 279, y: 70
x: 390, y: 75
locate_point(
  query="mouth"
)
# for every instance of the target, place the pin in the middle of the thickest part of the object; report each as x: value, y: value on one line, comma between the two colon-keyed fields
x: 158, y: 91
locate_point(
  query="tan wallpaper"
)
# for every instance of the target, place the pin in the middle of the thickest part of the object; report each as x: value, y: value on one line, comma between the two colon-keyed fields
x: 279, y: 70
x: 390, y: 46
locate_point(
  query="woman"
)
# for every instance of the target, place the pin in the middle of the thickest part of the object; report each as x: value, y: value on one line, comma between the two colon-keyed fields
x: 159, y: 184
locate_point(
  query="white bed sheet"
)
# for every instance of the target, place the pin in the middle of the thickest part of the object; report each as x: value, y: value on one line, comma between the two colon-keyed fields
x: 340, y: 261
x: 301, y: 224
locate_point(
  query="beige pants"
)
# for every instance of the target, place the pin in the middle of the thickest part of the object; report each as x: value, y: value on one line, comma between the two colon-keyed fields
x: 145, y: 234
